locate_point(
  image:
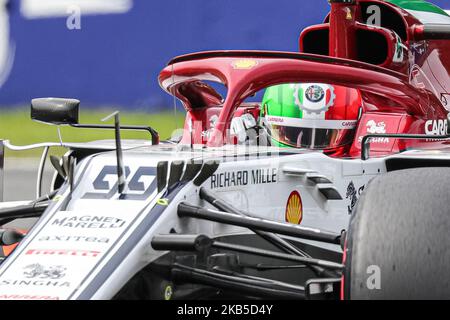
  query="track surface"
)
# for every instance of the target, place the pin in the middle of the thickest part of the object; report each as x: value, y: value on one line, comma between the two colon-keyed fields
x: 20, y: 183
x: 20, y: 179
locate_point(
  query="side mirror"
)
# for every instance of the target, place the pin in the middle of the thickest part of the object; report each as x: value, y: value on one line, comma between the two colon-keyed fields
x: 57, y: 111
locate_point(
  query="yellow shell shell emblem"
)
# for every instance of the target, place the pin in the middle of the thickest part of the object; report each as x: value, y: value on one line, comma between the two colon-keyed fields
x: 168, y: 292
x: 294, y: 208
x: 349, y: 14
x: 244, y: 64
x: 57, y: 198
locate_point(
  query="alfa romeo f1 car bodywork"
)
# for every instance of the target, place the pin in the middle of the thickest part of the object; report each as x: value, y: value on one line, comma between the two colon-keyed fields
x: 218, y: 214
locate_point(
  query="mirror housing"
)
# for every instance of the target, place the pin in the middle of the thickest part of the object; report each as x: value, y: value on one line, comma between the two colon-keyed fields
x: 56, y: 111
x: 448, y: 124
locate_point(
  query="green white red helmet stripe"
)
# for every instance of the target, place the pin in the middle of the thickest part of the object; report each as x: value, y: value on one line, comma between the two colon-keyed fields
x: 425, y: 12
x: 311, y: 123
x: 426, y: 17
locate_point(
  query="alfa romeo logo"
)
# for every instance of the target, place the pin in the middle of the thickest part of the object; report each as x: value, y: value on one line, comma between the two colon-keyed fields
x: 314, y: 98
x: 314, y: 93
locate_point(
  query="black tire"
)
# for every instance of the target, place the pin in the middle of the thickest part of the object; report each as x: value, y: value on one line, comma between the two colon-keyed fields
x: 402, y: 226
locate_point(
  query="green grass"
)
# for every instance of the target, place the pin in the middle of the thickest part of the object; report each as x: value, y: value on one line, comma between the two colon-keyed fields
x: 17, y: 127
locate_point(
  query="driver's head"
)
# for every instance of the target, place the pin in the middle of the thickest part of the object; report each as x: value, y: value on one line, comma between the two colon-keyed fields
x: 310, y: 115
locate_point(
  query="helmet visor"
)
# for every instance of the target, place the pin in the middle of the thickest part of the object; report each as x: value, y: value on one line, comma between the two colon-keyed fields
x: 316, y: 136
x: 311, y: 138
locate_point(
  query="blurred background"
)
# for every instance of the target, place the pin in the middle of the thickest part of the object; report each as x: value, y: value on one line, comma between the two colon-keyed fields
x: 108, y: 53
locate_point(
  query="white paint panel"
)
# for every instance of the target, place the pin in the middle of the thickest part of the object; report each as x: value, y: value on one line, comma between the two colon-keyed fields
x: 73, y: 257
x: 35, y: 9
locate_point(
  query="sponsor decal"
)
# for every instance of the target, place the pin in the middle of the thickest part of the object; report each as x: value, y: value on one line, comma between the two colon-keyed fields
x: 312, y: 123
x: 243, y: 178
x: 294, y: 208
x: 39, y: 271
x: 26, y: 297
x: 136, y: 188
x: 163, y: 202
x: 74, y: 239
x: 89, y: 222
x: 275, y: 119
x: 349, y: 124
x: 353, y: 194
x: 34, y: 283
x: 373, y: 127
x: 63, y: 252
x: 244, y: 64
x: 436, y: 127
x: 168, y: 292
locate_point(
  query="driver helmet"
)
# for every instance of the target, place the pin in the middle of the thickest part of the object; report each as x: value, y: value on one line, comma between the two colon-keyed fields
x: 310, y: 115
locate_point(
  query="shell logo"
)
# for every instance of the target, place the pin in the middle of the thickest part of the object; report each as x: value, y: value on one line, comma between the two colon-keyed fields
x: 244, y: 64
x: 294, y: 208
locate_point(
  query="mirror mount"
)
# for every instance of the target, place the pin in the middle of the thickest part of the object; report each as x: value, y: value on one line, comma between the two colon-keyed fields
x: 62, y: 111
